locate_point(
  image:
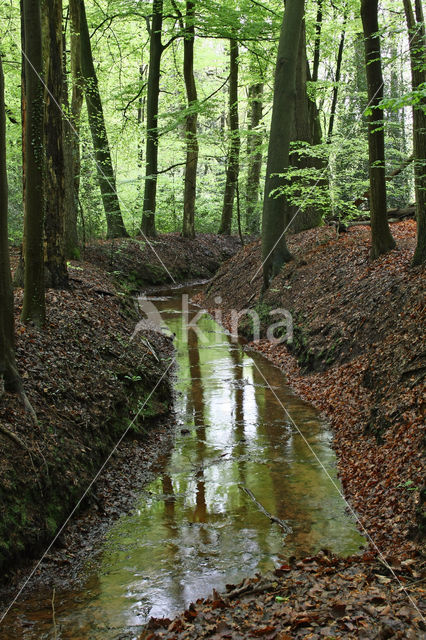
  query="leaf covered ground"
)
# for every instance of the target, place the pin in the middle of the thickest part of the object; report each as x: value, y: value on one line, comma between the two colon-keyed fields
x: 358, y: 355
x: 316, y: 598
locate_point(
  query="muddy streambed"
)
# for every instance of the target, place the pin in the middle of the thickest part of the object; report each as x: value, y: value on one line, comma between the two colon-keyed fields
x: 198, y: 526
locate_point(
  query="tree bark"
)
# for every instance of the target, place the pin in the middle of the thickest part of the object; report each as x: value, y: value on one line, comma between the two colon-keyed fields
x: 337, y: 80
x: 8, y: 369
x: 317, y: 43
x: 254, y: 152
x: 232, y: 170
x: 381, y: 237
x: 306, y: 128
x: 275, y: 208
x: 72, y: 135
x: 54, y: 219
x: 416, y: 28
x: 106, y: 177
x: 152, y: 101
x: 33, y: 308
x: 190, y: 189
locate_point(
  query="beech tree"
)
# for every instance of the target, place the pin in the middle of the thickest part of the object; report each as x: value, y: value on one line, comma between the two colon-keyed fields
x: 275, y: 207
x: 151, y: 155
x: 106, y: 176
x: 232, y: 169
x: 33, y: 308
x: 254, y: 153
x: 416, y: 27
x: 306, y: 128
x: 72, y: 133
x: 381, y: 237
x: 190, y: 188
x: 54, y: 219
x: 8, y: 369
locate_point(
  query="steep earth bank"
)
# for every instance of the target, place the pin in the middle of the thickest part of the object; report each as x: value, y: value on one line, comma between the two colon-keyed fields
x: 89, y: 382
x: 358, y: 354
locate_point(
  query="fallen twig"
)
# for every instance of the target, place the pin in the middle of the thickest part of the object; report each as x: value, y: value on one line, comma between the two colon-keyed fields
x: 261, y: 508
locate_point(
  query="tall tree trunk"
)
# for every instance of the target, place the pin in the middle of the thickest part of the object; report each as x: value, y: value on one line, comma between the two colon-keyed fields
x: 306, y: 129
x: 232, y: 170
x: 106, y: 177
x: 275, y: 208
x: 54, y: 220
x: 72, y: 135
x: 254, y: 152
x: 381, y: 237
x: 337, y: 80
x: 153, y: 94
x: 18, y: 279
x: 190, y: 192
x: 33, y: 308
x: 8, y: 369
x: 317, y: 42
x: 416, y: 27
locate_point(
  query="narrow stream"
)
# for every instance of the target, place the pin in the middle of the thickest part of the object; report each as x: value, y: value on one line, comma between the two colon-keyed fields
x: 195, y: 528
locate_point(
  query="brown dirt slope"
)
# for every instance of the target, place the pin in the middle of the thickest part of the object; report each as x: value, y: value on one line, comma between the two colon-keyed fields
x: 139, y: 263
x: 359, y: 356
x: 86, y: 380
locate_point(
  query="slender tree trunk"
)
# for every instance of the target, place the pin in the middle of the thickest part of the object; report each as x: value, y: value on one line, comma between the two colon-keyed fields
x: 106, y: 177
x: 416, y: 27
x: 153, y: 95
x: 188, y: 230
x: 234, y: 146
x: 317, y: 43
x: 8, y: 369
x: 381, y: 237
x: 33, y: 308
x: 54, y: 220
x: 254, y: 152
x: 72, y: 135
x: 275, y: 208
x: 337, y: 80
x: 18, y: 279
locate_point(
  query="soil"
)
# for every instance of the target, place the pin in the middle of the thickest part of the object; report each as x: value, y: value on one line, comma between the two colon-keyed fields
x: 87, y: 380
x: 169, y: 257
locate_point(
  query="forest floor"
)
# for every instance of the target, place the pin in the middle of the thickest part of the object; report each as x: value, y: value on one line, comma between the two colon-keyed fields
x: 87, y: 380
x: 358, y: 355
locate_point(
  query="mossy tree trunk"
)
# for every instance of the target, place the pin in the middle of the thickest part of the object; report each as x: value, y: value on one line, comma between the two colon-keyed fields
x: 106, y: 177
x: 381, y: 237
x: 233, y: 164
x: 8, y: 369
x: 254, y: 153
x: 54, y: 218
x: 33, y: 308
x: 152, y: 102
x: 275, y: 207
x: 190, y: 189
x: 416, y: 27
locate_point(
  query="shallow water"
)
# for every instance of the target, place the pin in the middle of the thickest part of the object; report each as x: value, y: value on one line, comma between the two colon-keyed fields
x: 194, y: 528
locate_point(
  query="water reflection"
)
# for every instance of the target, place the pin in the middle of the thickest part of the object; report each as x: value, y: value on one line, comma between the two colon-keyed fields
x: 194, y: 528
